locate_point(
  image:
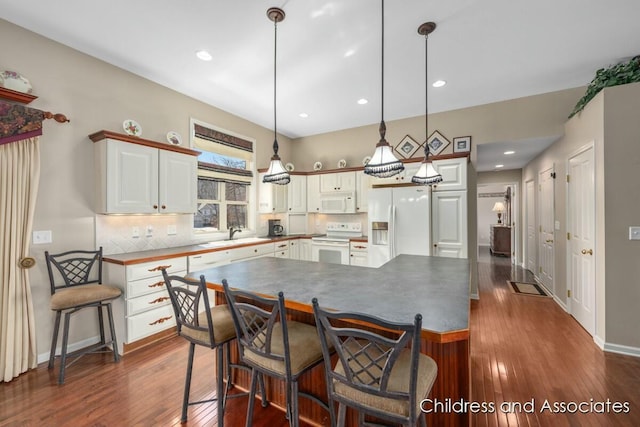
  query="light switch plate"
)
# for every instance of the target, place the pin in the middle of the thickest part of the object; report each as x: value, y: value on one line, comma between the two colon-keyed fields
x: 42, y: 237
x: 557, y: 225
x: 634, y: 233
x: 171, y: 230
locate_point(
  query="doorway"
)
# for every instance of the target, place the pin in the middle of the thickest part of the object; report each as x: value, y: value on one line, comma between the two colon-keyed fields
x: 546, y: 236
x: 498, y: 234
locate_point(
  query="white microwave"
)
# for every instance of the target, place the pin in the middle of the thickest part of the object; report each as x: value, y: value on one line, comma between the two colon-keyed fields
x: 338, y: 202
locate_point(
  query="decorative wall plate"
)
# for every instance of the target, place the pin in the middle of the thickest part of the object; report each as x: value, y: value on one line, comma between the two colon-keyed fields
x: 174, y: 138
x: 131, y: 127
x: 366, y: 161
x: 289, y: 167
x: 342, y: 163
x: 14, y: 81
x: 317, y: 166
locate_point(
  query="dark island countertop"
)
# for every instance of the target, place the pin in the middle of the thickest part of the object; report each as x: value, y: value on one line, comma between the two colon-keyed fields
x: 436, y: 287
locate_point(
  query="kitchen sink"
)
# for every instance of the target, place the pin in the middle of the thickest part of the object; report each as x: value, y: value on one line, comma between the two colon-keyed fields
x: 227, y: 242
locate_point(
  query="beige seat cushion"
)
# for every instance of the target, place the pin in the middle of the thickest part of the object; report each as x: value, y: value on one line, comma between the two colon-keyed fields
x: 223, y: 329
x: 83, y: 294
x: 398, y: 381
x: 304, y: 346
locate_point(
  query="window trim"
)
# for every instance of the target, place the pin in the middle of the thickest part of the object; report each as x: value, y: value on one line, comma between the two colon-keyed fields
x: 251, y: 194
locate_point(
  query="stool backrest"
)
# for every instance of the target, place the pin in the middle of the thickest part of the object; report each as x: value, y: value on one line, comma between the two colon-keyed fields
x: 367, y: 357
x: 193, y: 321
x: 75, y: 267
x: 256, y: 318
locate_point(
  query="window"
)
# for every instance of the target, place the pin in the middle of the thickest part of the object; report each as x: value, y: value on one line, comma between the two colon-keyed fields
x: 225, y: 177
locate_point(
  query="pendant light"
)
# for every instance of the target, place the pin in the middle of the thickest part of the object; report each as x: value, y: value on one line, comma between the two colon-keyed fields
x: 426, y: 175
x: 277, y: 174
x: 383, y: 163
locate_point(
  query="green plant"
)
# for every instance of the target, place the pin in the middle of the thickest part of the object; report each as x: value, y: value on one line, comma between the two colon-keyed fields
x: 619, y: 74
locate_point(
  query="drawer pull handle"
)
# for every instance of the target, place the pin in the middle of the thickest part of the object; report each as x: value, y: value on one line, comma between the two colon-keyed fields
x: 160, y: 320
x: 160, y: 267
x: 158, y: 300
x: 282, y: 246
x: 156, y: 285
x: 360, y: 247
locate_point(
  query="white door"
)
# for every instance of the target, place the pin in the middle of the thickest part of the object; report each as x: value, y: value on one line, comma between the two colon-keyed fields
x: 449, y: 224
x: 581, y: 245
x: 546, y: 236
x: 411, y: 220
x: 178, y: 180
x: 530, y: 226
x: 297, y: 194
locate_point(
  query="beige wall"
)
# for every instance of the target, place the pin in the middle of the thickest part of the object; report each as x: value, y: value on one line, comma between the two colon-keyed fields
x: 610, y: 122
x: 95, y: 96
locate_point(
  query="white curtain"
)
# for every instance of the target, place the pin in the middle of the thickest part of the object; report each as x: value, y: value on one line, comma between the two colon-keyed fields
x: 19, y: 176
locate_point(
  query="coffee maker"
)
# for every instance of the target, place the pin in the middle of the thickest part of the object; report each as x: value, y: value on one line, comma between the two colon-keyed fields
x: 275, y: 228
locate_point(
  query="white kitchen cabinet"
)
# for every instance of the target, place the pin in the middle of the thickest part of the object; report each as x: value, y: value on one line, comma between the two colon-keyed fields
x: 313, y: 194
x: 208, y: 260
x: 282, y: 249
x: 137, y: 176
x: 363, y: 185
x: 250, y: 252
x: 359, y: 254
x: 297, y: 194
x: 337, y: 181
x: 294, y: 249
x: 146, y: 309
x: 401, y: 178
x: 272, y: 198
x: 449, y: 223
x: 305, y: 249
x: 454, y: 174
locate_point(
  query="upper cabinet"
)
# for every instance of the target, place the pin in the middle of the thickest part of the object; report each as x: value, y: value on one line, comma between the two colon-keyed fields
x: 297, y: 194
x: 137, y: 176
x: 337, y: 181
x: 313, y: 193
x: 272, y: 198
x: 454, y: 174
x: 363, y: 182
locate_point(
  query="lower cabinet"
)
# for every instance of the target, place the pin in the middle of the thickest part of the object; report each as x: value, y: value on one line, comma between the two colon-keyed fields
x: 305, y: 249
x: 146, y: 309
x: 359, y: 254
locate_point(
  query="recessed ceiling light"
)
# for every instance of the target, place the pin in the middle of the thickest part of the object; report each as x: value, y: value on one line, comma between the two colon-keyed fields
x: 363, y: 101
x: 439, y: 83
x: 303, y: 115
x: 499, y: 166
x: 204, y: 55
x: 509, y: 152
x: 349, y: 53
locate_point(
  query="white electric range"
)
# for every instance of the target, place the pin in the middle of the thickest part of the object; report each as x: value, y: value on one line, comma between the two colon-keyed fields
x: 334, y: 246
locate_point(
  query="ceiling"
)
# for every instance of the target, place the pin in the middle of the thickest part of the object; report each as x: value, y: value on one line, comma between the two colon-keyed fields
x: 329, y: 51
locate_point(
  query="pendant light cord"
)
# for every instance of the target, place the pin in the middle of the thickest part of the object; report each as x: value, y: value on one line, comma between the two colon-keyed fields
x: 382, y: 67
x: 426, y: 96
x: 275, y: 120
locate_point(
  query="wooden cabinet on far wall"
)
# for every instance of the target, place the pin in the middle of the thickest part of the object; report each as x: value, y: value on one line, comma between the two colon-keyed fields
x: 500, y: 240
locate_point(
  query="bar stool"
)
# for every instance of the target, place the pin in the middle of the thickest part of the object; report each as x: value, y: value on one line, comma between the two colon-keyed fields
x: 201, y: 324
x: 374, y: 374
x: 274, y: 346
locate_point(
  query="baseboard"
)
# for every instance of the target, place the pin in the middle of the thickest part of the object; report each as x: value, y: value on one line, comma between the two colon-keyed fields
x: 561, y: 303
x: 622, y: 349
x: 474, y: 296
x: 599, y: 342
x: 44, y: 357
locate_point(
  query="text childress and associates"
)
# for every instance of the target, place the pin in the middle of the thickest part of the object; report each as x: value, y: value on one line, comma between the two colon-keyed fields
x: 531, y: 406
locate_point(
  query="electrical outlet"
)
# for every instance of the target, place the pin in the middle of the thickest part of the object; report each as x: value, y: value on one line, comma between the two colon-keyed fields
x: 149, y: 230
x: 634, y: 233
x: 42, y: 237
x: 135, y: 232
x: 171, y: 230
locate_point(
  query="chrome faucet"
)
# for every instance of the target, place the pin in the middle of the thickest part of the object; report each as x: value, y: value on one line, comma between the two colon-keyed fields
x: 233, y: 231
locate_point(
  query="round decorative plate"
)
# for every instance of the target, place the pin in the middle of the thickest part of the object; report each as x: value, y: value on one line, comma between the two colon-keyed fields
x: 366, y: 160
x: 131, y: 127
x: 317, y: 166
x: 289, y: 167
x: 14, y: 81
x: 342, y: 163
x: 174, y: 138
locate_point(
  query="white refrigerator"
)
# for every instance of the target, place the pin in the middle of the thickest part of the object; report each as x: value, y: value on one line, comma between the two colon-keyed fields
x: 399, y: 223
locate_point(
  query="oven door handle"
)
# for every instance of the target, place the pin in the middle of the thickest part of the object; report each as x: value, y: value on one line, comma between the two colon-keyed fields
x: 331, y: 244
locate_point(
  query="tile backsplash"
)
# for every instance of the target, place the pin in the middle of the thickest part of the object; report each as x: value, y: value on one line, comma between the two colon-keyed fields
x: 115, y: 233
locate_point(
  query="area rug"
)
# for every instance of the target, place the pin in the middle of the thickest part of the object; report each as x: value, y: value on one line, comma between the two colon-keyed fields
x: 532, y: 289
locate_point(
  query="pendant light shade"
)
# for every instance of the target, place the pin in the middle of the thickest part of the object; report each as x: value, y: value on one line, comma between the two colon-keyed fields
x: 383, y: 162
x: 277, y: 174
x: 427, y: 174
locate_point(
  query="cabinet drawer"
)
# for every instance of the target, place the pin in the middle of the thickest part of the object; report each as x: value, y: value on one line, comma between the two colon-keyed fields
x: 150, y: 322
x: 209, y: 259
x: 135, y: 288
x: 251, y: 251
x: 147, y: 302
x: 141, y: 271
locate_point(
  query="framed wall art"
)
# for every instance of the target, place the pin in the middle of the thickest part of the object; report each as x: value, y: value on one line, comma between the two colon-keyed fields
x: 462, y: 144
x: 437, y: 142
x: 407, y: 147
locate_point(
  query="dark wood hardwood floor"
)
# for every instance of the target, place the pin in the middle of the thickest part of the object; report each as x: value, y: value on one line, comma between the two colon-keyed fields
x: 523, y: 349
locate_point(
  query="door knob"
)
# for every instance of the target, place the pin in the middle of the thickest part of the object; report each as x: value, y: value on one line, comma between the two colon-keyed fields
x: 584, y: 252
x: 549, y: 241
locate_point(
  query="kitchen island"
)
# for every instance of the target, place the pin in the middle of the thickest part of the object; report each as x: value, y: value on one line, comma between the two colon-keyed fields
x: 438, y: 288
